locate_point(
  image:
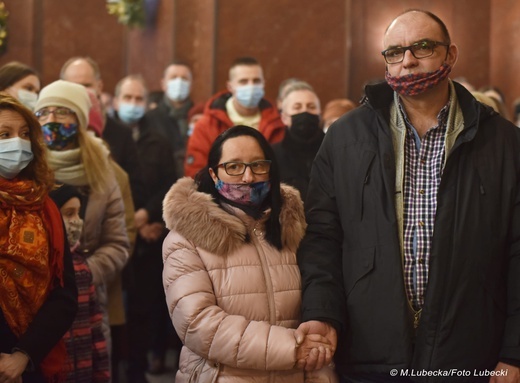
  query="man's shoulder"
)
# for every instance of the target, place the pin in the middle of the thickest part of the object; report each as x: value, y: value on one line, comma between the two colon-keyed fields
x: 115, y: 130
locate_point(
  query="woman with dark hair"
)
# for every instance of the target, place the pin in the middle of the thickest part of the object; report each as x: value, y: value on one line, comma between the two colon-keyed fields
x: 230, y: 274
x: 20, y: 81
x: 38, y: 296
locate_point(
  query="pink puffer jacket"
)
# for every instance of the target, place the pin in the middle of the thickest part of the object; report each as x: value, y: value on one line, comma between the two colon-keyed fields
x: 233, y: 302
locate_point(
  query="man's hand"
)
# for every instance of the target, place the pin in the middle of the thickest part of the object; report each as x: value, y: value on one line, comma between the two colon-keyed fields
x: 151, y: 232
x: 12, y: 367
x: 313, y: 344
x: 321, y: 356
x: 140, y: 218
x: 511, y: 375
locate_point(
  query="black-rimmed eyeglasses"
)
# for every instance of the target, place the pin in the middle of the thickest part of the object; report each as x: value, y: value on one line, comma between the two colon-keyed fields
x: 237, y: 168
x: 420, y: 50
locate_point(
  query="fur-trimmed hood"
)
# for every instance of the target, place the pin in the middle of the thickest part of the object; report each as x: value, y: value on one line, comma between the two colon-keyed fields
x: 199, y: 219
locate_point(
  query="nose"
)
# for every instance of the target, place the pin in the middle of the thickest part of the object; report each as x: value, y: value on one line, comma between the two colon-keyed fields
x: 409, y: 59
x: 248, y: 175
x: 51, y: 118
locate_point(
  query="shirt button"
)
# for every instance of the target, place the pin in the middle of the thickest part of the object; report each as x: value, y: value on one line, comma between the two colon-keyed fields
x: 421, y: 223
x: 421, y: 261
x: 421, y: 191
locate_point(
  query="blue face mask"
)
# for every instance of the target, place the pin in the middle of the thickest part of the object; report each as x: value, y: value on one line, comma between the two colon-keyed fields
x: 15, y: 155
x: 249, y: 96
x: 130, y: 113
x: 178, y: 89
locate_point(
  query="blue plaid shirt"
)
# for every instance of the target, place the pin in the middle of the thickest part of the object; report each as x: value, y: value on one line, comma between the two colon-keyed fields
x: 423, y: 166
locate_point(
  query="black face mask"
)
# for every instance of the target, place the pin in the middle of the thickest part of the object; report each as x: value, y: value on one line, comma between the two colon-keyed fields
x: 304, y: 125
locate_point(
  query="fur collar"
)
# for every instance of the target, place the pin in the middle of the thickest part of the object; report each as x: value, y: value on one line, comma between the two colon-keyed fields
x: 200, y: 220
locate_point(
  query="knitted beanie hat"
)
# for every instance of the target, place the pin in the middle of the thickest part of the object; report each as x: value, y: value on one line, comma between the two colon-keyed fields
x: 64, y: 193
x: 69, y: 95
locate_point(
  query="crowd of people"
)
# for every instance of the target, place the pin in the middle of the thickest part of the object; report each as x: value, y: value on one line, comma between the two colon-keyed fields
x: 270, y: 242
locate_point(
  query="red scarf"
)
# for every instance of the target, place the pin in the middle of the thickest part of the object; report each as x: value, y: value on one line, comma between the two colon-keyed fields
x: 31, y: 259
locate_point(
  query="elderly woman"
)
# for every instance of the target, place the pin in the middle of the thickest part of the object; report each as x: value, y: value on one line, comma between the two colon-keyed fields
x: 38, y: 296
x: 80, y: 159
x: 230, y: 274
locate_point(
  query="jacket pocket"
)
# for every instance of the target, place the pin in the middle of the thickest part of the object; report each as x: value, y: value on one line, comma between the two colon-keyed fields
x: 356, y: 267
x: 366, y: 165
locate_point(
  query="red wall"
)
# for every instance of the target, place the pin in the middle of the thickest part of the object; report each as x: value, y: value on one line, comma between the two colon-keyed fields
x: 333, y: 44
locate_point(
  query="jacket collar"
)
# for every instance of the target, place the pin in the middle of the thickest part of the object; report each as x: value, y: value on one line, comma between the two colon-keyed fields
x: 199, y: 219
x: 380, y: 96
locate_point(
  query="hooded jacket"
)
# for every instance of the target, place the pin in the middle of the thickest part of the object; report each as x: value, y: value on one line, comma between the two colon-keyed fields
x: 351, y: 261
x: 234, y: 302
x: 216, y: 120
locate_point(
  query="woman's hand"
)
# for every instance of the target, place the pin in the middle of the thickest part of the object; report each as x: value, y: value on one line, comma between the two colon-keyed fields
x: 319, y: 342
x: 12, y: 367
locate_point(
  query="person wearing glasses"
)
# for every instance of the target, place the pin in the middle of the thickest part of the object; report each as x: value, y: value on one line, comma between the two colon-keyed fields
x: 81, y: 160
x: 230, y: 275
x: 411, y: 256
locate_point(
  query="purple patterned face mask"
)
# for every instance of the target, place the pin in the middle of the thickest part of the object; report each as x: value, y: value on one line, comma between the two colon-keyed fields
x: 416, y: 83
x: 245, y: 194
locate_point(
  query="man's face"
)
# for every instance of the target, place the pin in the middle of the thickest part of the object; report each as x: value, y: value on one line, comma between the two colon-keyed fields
x: 173, y: 72
x: 82, y: 73
x: 132, y: 92
x: 299, y: 101
x: 411, y: 28
x: 245, y: 75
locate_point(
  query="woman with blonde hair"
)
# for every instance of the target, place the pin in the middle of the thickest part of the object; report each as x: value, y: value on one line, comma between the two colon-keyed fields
x: 80, y: 159
x: 38, y: 296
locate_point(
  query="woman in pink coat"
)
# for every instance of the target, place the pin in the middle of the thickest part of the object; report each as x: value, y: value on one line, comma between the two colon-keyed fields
x: 230, y: 273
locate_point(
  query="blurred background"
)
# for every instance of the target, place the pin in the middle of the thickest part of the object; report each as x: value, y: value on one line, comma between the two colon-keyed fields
x: 333, y: 44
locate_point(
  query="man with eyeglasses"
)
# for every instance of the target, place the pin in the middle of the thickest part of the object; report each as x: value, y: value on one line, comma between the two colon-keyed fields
x: 412, y: 252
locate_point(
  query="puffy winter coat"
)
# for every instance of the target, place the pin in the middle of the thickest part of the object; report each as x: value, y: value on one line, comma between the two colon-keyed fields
x: 234, y: 302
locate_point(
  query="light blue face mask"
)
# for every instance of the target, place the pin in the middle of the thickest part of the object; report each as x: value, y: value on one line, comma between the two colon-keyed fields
x: 27, y: 98
x: 130, y: 113
x: 15, y: 155
x: 178, y: 89
x: 249, y: 96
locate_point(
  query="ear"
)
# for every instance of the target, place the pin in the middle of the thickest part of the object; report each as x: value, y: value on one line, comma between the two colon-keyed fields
x: 453, y: 55
x: 115, y: 103
x: 286, y: 119
x: 164, y: 85
x: 213, y: 175
x: 99, y: 87
x: 229, y: 87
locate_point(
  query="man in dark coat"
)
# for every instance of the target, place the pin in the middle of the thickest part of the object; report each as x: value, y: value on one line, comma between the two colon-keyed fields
x: 412, y: 254
x: 148, y: 319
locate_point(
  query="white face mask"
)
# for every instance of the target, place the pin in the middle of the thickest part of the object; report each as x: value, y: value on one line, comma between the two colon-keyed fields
x: 178, y: 89
x: 27, y: 98
x: 15, y: 155
x: 73, y: 228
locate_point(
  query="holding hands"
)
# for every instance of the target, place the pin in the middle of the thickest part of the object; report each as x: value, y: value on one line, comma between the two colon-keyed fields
x: 316, y: 342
